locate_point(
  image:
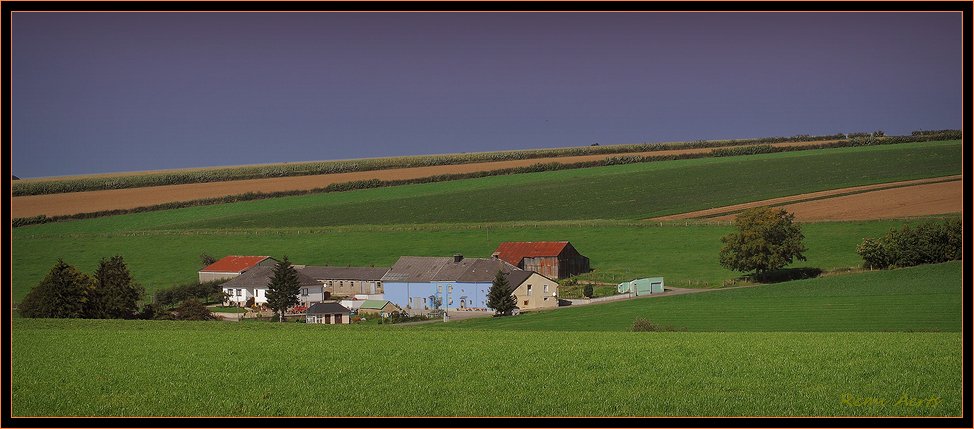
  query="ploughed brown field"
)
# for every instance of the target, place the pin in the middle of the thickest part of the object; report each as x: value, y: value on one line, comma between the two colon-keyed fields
x: 115, y: 199
x: 922, y: 197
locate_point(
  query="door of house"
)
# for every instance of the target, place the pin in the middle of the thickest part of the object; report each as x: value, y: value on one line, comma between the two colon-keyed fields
x: 338, y: 319
x: 328, y: 319
x: 372, y: 288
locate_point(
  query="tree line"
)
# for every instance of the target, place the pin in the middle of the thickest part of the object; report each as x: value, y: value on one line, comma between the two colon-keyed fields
x: 110, y: 293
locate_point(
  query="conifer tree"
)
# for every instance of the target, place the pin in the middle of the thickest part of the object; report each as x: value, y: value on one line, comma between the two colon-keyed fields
x: 116, y: 295
x: 283, y: 288
x: 63, y: 293
x: 499, y: 296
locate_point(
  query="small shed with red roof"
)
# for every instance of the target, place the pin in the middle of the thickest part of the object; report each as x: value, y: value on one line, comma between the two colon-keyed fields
x: 232, y: 266
x: 554, y: 259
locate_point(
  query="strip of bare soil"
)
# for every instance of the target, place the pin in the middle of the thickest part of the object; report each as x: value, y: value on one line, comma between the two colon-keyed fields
x: 922, y: 197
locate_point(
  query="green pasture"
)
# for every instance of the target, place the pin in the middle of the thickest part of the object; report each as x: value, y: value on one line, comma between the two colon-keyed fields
x: 924, y: 298
x: 162, y: 368
x: 685, y: 255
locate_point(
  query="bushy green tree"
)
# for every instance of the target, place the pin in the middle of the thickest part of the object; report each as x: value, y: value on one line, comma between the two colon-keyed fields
x: 499, y: 296
x: 283, y: 288
x: 589, y: 290
x: 192, y: 309
x: 63, y: 293
x: 116, y: 295
x: 767, y: 239
x: 927, y: 243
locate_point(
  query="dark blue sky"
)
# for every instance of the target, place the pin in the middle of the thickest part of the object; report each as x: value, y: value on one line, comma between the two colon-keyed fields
x: 100, y: 92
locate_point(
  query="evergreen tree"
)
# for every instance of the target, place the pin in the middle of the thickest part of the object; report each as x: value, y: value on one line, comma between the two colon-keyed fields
x: 116, y: 295
x: 63, y: 293
x: 499, y: 296
x: 283, y: 288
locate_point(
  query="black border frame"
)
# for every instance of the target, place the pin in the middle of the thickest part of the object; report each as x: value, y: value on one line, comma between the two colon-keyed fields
x: 9, y: 7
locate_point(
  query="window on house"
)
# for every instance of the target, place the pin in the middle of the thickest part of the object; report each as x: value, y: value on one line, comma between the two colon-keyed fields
x: 525, y: 303
x: 238, y: 292
x: 304, y: 292
x: 529, y: 289
x: 341, y: 284
x: 545, y: 288
x: 330, y: 283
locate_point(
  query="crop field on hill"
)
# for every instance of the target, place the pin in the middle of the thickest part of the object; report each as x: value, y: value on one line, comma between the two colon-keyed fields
x: 924, y: 298
x: 619, y: 192
x: 215, y: 186
x: 684, y: 255
x: 180, y: 371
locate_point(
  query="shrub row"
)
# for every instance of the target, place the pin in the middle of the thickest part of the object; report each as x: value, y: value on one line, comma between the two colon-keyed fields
x: 745, y: 150
x: 330, y: 167
x: 534, y: 168
x: 206, y: 292
x: 928, y: 243
x: 934, y: 132
x: 645, y: 325
x: 851, y: 142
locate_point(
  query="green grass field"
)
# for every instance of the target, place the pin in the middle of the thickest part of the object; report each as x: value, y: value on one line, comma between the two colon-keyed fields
x: 816, y: 347
x: 685, y: 255
x: 162, y: 248
x: 264, y: 369
x: 925, y: 298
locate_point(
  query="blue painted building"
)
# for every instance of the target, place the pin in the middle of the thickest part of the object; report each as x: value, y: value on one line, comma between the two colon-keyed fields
x: 414, y: 283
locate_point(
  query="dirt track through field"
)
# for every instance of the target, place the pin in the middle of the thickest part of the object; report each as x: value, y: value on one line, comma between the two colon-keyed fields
x: 889, y: 200
x: 115, y: 199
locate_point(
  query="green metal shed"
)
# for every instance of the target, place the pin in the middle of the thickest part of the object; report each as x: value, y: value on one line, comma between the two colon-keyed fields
x: 645, y: 286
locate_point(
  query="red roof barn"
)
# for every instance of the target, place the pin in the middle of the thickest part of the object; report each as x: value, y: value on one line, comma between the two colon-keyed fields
x: 231, y: 266
x: 554, y: 259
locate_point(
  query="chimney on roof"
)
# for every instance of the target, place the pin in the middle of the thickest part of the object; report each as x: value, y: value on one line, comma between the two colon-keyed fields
x: 457, y: 257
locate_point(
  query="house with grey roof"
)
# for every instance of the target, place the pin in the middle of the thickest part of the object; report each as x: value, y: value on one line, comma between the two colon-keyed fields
x: 419, y: 284
x: 253, y: 284
x: 347, y: 281
x: 328, y: 313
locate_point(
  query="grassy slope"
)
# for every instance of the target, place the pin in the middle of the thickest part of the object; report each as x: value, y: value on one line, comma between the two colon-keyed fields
x: 926, y: 298
x: 618, y: 250
x: 167, y: 253
x: 746, y: 373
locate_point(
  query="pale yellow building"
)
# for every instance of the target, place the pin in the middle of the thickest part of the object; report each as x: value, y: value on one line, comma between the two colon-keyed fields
x: 532, y: 291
